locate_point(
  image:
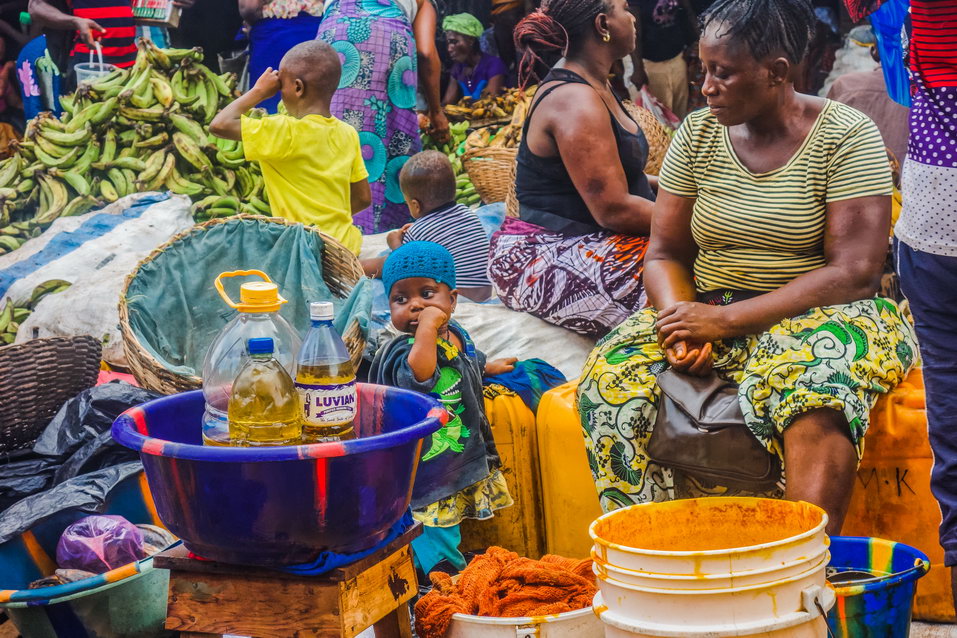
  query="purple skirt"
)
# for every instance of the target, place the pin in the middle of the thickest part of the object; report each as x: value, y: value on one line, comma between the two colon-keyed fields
x: 377, y: 96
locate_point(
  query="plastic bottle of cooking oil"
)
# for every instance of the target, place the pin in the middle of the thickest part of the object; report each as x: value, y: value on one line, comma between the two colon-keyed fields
x: 264, y: 405
x: 258, y: 317
x: 325, y: 380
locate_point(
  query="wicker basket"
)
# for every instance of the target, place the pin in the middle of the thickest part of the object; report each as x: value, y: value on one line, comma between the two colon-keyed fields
x: 511, y: 200
x: 36, y: 378
x: 655, y: 133
x: 341, y: 271
x: 490, y: 170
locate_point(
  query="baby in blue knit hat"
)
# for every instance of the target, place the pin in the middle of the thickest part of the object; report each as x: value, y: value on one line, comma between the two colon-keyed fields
x: 459, y: 473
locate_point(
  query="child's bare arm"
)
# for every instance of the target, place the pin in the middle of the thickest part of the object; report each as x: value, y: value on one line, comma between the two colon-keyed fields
x: 424, y: 354
x: 500, y: 366
x: 360, y: 195
x: 227, y: 123
x: 372, y: 267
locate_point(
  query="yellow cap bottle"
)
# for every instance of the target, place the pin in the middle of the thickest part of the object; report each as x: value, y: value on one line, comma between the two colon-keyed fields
x: 254, y: 296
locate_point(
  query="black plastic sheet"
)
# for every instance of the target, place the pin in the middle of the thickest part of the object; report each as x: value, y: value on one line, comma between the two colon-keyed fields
x: 75, y: 442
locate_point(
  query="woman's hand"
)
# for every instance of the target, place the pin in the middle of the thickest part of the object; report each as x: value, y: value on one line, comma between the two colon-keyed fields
x: 439, y: 126
x: 500, y: 366
x: 690, y: 358
x: 691, y: 321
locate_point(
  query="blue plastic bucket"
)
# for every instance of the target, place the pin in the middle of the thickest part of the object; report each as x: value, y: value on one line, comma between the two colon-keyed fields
x: 876, y: 602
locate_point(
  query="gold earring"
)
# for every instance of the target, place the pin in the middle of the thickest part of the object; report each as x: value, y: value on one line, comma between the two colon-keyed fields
x: 606, y: 37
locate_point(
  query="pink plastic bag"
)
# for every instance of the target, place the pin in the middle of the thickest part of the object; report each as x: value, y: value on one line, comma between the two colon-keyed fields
x: 99, y: 543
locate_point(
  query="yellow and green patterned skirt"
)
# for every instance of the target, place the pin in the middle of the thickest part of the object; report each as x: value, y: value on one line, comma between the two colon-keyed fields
x: 840, y: 357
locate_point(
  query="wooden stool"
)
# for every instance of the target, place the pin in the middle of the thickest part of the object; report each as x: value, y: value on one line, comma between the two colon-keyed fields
x: 211, y: 599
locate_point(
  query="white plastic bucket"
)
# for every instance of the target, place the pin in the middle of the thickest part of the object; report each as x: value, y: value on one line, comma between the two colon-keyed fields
x: 580, y: 624
x: 90, y: 71
x: 87, y: 72
x: 713, y: 567
x: 709, y: 581
x: 806, y: 623
x: 699, y: 609
x: 789, y: 532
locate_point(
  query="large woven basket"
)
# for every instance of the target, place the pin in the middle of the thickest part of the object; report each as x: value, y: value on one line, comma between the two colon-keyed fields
x: 341, y: 271
x: 36, y: 378
x: 490, y: 170
x: 655, y: 133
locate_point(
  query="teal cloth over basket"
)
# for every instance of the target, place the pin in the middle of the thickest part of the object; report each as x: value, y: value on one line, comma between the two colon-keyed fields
x: 175, y: 311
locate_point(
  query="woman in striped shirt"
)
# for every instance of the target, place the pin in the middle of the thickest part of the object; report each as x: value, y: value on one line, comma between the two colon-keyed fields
x: 767, y: 245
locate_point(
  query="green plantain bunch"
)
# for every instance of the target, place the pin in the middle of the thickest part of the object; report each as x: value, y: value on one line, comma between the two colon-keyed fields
x: 12, y: 315
x: 144, y: 128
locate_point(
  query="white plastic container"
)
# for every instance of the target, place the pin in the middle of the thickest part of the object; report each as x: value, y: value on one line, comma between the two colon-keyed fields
x: 703, y: 568
x: 90, y: 71
x: 573, y: 624
x: 700, y: 609
x: 789, y: 531
x: 710, y: 581
x: 807, y: 623
x: 87, y: 72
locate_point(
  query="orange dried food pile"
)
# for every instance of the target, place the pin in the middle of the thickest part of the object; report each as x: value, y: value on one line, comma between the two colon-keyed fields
x: 501, y: 584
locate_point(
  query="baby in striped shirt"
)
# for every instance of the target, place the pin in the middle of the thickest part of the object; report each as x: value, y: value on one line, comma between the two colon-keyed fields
x: 428, y: 185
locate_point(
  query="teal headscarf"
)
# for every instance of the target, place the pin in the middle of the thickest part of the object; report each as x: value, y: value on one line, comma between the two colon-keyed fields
x: 464, y: 23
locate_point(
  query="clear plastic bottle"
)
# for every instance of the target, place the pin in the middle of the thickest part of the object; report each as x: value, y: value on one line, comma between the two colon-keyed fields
x: 264, y: 405
x: 258, y: 317
x: 326, y: 380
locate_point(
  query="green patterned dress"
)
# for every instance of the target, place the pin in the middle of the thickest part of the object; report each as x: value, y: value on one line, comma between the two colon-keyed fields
x: 839, y: 357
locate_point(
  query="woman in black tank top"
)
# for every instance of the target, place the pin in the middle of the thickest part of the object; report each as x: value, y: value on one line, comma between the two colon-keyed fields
x: 574, y: 257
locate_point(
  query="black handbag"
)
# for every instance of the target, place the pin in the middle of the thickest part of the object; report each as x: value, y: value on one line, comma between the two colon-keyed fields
x: 700, y: 431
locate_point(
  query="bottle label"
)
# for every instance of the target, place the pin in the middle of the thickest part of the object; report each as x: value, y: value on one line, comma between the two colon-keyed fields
x: 328, y: 405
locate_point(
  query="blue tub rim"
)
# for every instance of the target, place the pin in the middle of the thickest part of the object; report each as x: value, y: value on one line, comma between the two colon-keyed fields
x: 22, y: 598
x: 128, y: 429
x: 921, y: 568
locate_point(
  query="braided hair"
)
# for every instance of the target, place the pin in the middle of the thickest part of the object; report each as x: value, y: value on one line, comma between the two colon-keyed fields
x: 548, y: 34
x: 766, y: 27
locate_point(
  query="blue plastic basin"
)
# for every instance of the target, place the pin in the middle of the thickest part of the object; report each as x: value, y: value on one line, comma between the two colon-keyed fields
x: 281, y: 505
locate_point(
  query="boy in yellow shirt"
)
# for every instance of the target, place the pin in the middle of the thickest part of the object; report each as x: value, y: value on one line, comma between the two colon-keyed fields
x: 311, y: 162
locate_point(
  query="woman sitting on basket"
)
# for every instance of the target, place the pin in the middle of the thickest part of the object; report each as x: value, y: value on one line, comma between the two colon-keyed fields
x: 574, y: 258
x: 768, y: 241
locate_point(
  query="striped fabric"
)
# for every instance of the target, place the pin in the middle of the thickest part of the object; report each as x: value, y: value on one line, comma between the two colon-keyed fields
x: 933, y: 42
x: 760, y: 231
x: 119, y: 42
x: 459, y: 230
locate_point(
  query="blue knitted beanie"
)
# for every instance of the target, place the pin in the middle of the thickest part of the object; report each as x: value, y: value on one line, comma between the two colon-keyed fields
x: 419, y: 259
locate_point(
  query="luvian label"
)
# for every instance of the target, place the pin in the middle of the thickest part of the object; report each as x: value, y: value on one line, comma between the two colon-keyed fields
x: 327, y: 405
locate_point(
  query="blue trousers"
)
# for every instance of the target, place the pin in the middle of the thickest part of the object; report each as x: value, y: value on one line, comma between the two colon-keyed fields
x: 930, y: 284
x: 270, y: 39
x: 437, y: 544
